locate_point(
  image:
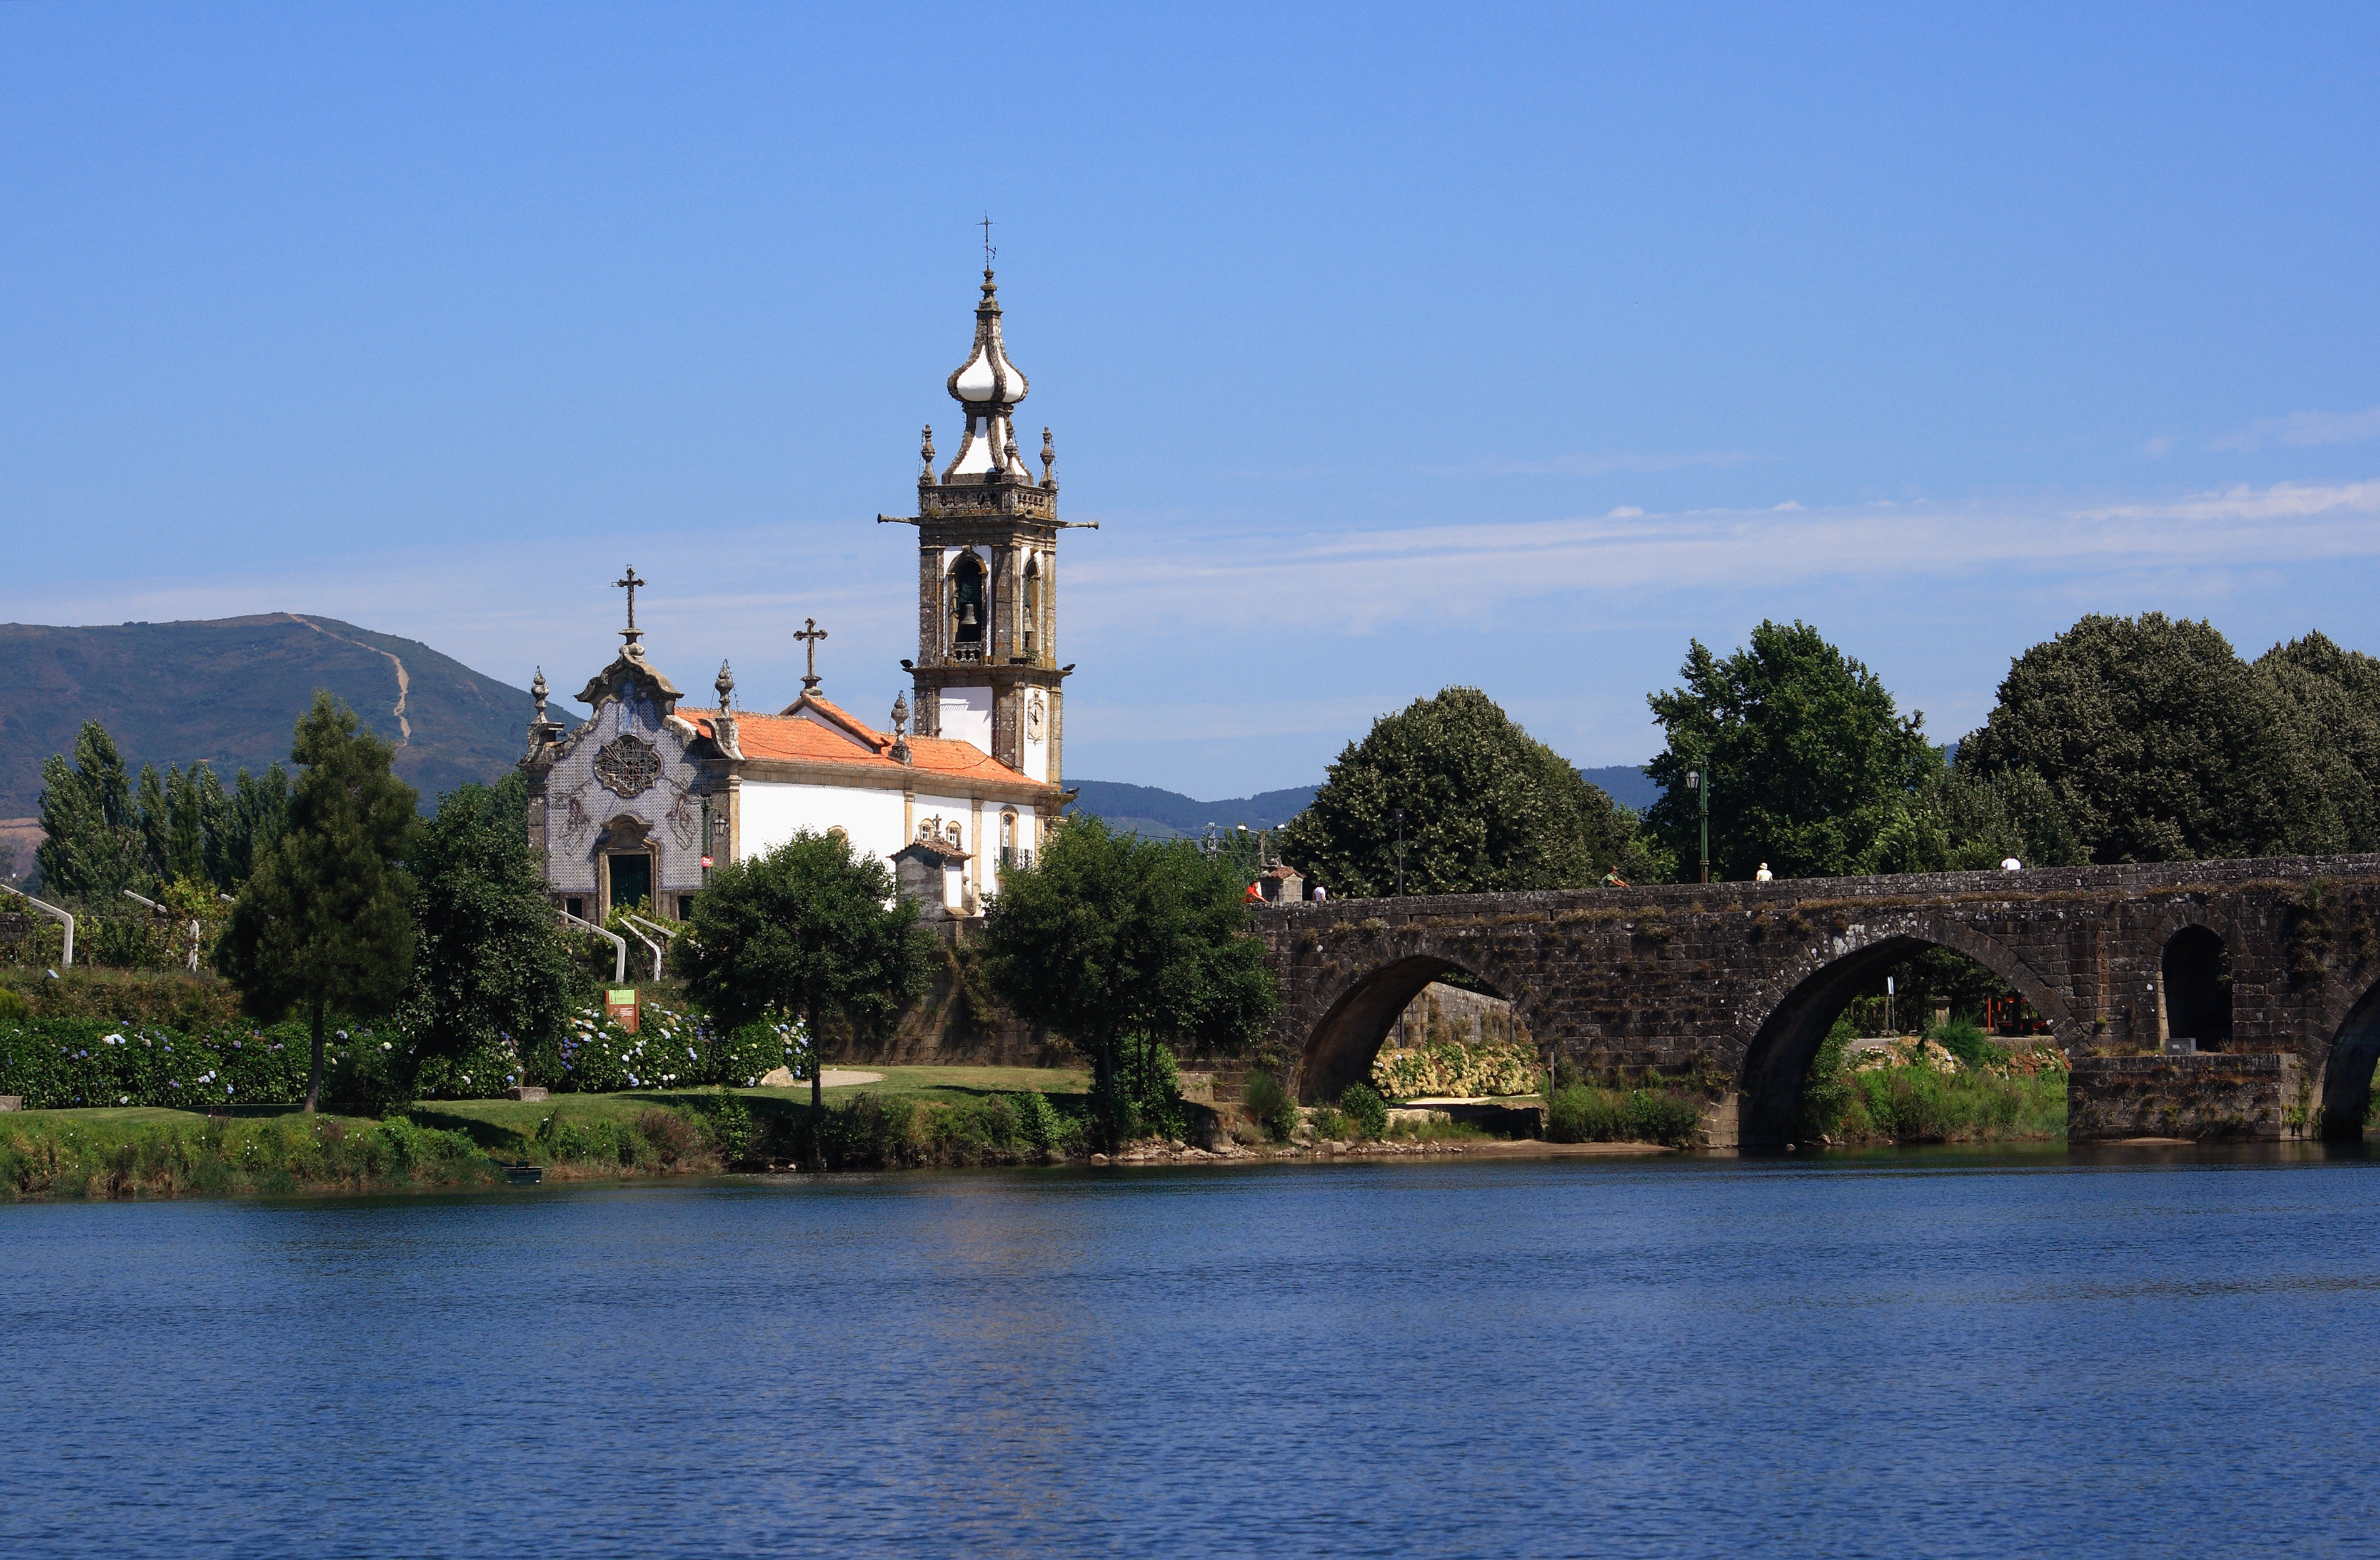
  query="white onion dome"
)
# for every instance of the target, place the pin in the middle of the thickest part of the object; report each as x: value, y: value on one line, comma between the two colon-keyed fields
x: 988, y: 377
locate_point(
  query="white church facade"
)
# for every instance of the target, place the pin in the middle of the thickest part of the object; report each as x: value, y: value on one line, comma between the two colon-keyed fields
x: 644, y: 799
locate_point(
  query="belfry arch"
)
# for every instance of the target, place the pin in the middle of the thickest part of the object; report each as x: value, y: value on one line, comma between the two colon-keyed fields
x: 1792, y: 1025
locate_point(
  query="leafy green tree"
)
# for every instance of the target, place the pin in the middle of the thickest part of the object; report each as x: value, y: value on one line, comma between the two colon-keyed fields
x: 2331, y: 699
x: 1109, y: 939
x: 2159, y: 743
x: 489, y: 960
x: 1486, y: 808
x: 810, y: 931
x: 1811, y: 765
x: 325, y: 919
x: 92, y: 842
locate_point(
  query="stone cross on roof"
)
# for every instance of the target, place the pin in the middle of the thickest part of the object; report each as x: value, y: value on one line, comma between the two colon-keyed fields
x: 629, y: 582
x: 811, y: 633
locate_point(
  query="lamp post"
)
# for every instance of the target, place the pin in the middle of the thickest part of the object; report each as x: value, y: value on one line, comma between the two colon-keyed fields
x: 1400, y: 852
x: 1697, y: 782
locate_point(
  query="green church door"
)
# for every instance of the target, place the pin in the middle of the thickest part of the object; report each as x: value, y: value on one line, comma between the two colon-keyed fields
x: 631, y: 880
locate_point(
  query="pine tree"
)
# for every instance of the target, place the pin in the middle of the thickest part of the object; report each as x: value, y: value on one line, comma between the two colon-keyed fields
x: 91, y: 844
x: 324, y: 920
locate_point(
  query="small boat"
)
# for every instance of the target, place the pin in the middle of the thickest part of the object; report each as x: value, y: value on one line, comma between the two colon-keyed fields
x: 524, y: 1175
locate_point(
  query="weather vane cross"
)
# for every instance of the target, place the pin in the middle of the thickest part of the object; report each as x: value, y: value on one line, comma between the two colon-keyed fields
x: 629, y: 582
x: 987, y: 250
x: 811, y: 633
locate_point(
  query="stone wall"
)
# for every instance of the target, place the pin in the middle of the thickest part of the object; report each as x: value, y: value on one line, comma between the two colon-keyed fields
x: 1443, y: 1013
x: 2222, y: 1095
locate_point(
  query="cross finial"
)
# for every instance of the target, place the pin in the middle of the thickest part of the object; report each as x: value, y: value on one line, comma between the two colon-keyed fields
x: 629, y: 582
x: 987, y: 250
x: 811, y: 633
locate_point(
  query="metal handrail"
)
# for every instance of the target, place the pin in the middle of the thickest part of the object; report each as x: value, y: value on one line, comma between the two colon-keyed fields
x: 647, y: 942
x: 197, y: 932
x: 619, y: 945
x: 54, y: 913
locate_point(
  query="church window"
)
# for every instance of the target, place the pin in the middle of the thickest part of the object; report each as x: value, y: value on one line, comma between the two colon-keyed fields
x: 1032, y: 613
x: 1008, y: 839
x: 575, y: 906
x: 968, y: 615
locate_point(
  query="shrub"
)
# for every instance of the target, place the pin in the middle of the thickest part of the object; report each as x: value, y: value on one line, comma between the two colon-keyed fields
x: 755, y: 1050
x: 1038, y: 1121
x: 368, y: 1075
x: 734, y: 1133
x: 1269, y: 1106
x: 1964, y: 1039
x: 1365, y: 1111
x: 672, y: 1134
x: 1581, y: 1113
x: 1330, y: 1125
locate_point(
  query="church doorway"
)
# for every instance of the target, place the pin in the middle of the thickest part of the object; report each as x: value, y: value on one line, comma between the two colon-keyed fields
x: 631, y: 880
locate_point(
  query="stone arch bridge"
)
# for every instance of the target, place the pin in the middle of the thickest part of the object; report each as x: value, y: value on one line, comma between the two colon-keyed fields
x: 1735, y: 985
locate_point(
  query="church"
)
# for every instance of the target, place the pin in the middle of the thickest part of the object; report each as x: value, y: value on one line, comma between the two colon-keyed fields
x: 640, y: 800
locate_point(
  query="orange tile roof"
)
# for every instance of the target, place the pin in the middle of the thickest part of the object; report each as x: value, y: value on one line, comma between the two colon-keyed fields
x: 798, y: 740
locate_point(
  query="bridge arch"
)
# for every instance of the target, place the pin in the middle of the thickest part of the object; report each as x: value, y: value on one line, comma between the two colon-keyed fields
x: 1794, y: 1012
x: 1343, y: 1045
x: 2347, y: 1073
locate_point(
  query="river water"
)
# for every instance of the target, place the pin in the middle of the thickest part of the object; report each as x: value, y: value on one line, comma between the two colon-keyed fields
x: 1915, y: 1354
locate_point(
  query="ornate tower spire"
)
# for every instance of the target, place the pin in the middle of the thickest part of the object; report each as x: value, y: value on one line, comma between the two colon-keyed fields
x: 988, y: 387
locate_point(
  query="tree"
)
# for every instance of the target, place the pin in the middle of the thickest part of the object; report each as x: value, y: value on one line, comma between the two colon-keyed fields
x: 253, y: 817
x: 2332, y: 699
x: 1810, y: 765
x: 194, y: 800
x: 325, y: 919
x: 2159, y: 743
x: 1486, y: 808
x: 1108, y: 938
x: 811, y: 931
x: 488, y: 960
x: 91, y: 844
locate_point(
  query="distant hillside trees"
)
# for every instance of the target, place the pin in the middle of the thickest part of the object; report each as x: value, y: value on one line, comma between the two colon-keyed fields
x: 103, y: 832
x: 1486, y: 807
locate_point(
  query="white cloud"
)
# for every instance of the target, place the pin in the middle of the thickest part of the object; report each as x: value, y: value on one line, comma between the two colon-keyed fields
x: 2300, y: 429
x: 1361, y: 582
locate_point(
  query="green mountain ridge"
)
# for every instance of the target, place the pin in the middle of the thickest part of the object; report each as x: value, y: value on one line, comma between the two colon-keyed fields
x: 1158, y: 814
x: 226, y: 692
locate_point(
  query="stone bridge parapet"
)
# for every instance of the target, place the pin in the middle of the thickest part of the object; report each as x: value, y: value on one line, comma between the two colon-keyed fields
x: 1734, y: 984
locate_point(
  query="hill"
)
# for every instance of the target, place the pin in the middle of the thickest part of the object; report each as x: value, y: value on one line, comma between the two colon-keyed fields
x: 228, y: 692
x: 1168, y: 814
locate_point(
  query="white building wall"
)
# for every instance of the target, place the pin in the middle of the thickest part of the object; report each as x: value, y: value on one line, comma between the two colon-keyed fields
x: 770, y: 812
x: 966, y: 716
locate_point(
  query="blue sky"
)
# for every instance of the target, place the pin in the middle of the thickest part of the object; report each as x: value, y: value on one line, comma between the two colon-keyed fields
x: 1391, y: 346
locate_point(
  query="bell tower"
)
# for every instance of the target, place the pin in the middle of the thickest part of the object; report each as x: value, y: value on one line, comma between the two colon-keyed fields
x: 987, y: 669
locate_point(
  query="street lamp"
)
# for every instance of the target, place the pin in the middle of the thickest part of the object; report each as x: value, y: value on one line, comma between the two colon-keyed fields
x: 1695, y: 783
x: 1400, y: 852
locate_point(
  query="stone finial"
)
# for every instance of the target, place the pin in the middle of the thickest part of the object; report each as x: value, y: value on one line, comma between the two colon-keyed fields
x: 1049, y: 459
x: 537, y: 690
x: 725, y: 683
x: 1011, y: 451
x: 926, y: 454
x: 901, y: 728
